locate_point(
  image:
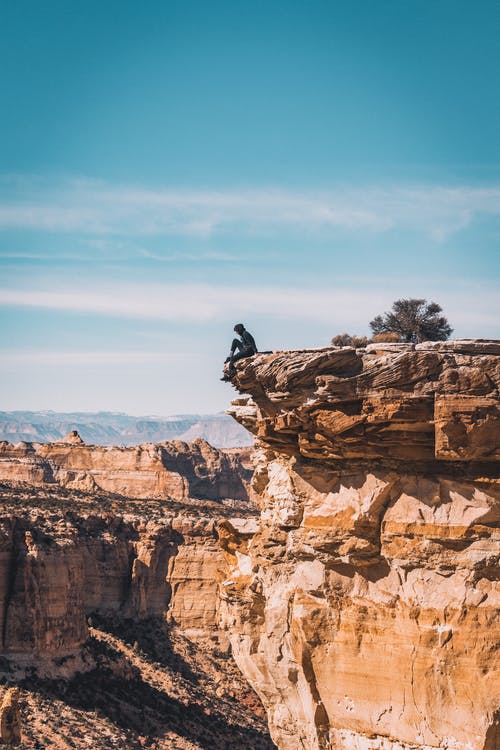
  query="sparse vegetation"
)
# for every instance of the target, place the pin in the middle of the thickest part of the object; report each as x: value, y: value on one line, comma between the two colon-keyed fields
x: 148, y: 685
x: 414, y: 320
x: 386, y: 338
x: 187, y: 700
x: 345, y: 339
x: 409, y: 321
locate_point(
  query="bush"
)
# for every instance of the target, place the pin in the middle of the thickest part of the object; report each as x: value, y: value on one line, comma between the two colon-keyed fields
x: 342, y: 339
x: 391, y: 337
x: 345, y: 339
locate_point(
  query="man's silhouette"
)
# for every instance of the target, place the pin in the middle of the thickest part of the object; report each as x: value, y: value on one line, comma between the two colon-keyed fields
x: 245, y: 346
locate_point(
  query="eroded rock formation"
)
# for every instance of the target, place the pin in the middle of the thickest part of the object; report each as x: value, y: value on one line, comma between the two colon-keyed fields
x: 364, y: 605
x: 61, y: 564
x: 57, y: 568
x: 109, y: 611
x: 173, y: 469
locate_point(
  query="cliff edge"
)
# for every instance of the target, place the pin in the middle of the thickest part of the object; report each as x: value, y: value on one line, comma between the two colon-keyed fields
x: 363, y: 605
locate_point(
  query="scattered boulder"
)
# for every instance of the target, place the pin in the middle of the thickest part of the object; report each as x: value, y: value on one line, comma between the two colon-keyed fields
x: 10, y: 719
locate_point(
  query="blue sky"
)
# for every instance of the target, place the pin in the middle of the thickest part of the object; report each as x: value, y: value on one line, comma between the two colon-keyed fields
x: 168, y: 169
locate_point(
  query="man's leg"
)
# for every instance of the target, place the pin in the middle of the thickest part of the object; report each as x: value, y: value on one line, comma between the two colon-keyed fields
x: 237, y: 345
x: 242, y: 354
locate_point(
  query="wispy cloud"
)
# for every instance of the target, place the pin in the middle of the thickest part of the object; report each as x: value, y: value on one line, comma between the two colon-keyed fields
x: 194, y: 302
x: 350, y: 305
x: 102, y: 209
x: 54, y: 256
x: 36, y: 358
x: 192, y: 257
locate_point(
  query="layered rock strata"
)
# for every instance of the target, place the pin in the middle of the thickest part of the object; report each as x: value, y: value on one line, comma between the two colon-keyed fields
x: 109, y: 611
x: 154, y: 470
x: 363, y: 606
x: 65, y: 558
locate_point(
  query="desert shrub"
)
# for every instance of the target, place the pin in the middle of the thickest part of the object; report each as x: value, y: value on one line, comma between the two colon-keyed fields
x: 345, y: 339
x: 391, y: 337
x: 360, y: 341
x: 342, y: 339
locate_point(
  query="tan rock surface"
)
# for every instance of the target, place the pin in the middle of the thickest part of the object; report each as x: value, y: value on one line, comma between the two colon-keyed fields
x: 109, y: 622
x: 154, y: 470
x: 364, y: 608
x: 60, y: 565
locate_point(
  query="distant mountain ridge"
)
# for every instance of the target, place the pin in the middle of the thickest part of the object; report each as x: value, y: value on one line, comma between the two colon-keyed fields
x: 115, y: 428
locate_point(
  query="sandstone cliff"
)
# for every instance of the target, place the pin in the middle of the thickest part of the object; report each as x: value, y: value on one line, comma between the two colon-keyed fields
x: 59, y: 565
x: 174, y: 469
x: 109, y: 612
x: 364, y: 605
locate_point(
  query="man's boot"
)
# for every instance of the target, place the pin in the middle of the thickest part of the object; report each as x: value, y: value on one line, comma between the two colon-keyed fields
x: 229, y: 375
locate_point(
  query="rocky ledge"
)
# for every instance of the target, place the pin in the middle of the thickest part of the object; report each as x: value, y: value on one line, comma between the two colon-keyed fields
x: 363, y: 605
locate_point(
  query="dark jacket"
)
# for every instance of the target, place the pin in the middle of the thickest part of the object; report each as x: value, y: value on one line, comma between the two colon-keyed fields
x: 249, y: 341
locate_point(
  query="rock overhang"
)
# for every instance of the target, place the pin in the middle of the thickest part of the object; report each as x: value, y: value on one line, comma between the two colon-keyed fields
x: 363, y: 607
x: 430, y: 401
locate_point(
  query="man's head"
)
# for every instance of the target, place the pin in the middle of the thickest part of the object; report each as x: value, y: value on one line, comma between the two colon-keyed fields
x: 239, y: 328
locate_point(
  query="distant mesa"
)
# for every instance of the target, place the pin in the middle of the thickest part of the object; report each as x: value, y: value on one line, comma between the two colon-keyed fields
x: 111, y: 428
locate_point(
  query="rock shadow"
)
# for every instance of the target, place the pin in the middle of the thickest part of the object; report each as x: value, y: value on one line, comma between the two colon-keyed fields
x: 153, y: 695
x: 138, y: 708
x: 152, y: 638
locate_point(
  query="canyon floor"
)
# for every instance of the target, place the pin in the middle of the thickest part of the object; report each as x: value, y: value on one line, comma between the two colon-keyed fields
x: 147, y: 684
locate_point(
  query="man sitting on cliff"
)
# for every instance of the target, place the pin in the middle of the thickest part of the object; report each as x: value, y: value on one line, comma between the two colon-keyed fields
x: 245, y: 346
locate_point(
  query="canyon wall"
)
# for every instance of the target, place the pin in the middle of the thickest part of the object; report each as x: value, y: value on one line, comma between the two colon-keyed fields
x: 363, y: 605
x: 57, y: 567
x: 175, y: 469
x: 109, y: 611
x: 70, y: 555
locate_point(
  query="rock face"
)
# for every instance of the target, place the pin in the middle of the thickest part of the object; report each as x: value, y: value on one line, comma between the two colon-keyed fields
x: 174, y: 469
x: 109, y: 611
x: 364, y: 605
x: 56, y: 569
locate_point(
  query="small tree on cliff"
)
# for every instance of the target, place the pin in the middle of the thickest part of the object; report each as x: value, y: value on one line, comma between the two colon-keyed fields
x: 414, y: 320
